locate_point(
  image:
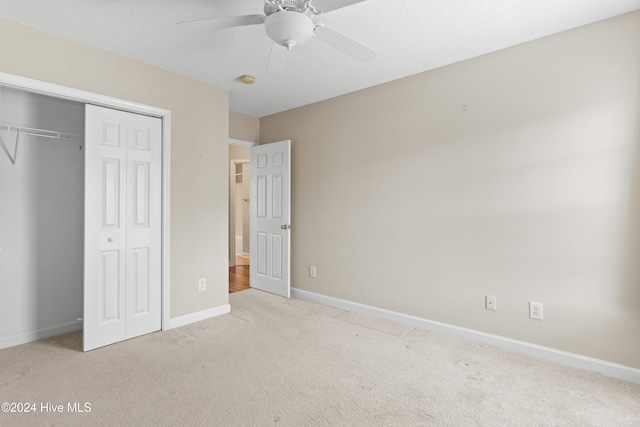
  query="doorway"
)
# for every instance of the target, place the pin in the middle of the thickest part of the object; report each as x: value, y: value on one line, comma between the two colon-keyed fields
x: 239, y: 214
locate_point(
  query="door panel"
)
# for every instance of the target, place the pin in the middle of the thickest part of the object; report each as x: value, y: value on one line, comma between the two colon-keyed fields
x: 261, y: 253
x: 105, y: 232
x: 270, y: 217
x: 126, y: 231
x: 111, y: 193
x: 141, y: 194
x: 277, y: 243
x: 110, y: 287
x: 144, y: 226
x: 277, y: 204
x: 141, y: 281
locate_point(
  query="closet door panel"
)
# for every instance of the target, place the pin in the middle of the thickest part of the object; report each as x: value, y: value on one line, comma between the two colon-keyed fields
x: 144, y: 154
x: 105, y: 231
x: 141, y: 292
x: 110, y: 197
x: 110, y: 286
x: 141, y: 194
x: 122, y: 226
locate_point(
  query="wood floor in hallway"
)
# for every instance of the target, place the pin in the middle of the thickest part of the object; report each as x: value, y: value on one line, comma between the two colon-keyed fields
x: 239, y: 275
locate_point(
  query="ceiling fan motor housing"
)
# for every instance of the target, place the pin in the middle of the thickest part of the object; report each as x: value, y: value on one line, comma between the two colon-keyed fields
x: 302, y: 6
x: 289, y: 29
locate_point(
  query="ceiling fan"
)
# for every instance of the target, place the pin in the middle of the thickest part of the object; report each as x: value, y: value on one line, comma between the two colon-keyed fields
x: 290, y: 23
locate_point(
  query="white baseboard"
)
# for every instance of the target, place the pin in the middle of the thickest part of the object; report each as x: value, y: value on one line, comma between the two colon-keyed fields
x: 239, y: 245
x: 573, y: 360
x: 27, y: 337
x: 245, y: 255
x: 176, y: 322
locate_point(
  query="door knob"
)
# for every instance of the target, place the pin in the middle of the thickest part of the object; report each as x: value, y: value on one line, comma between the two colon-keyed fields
x: 110, y: 239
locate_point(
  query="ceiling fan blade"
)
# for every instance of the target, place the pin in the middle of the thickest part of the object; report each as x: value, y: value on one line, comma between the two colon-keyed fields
x: 344, y: 43
x: 329, y: 5
x: 224, y: 22
x: 277, y: 60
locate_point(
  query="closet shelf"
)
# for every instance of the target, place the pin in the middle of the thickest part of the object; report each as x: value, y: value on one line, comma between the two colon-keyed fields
x: 40, y: 132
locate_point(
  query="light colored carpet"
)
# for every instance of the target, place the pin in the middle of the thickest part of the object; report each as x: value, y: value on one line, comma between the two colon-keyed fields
x: 279, y: 362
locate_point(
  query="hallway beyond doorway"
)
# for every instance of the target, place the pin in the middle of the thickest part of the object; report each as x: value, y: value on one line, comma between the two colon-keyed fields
x: 239, y: 275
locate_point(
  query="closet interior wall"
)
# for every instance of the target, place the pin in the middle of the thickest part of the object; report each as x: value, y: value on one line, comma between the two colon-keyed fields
x: 41, y: 218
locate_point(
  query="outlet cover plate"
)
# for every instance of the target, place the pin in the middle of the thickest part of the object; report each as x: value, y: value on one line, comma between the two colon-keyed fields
x: 536, y: 310
x: 491, y: 302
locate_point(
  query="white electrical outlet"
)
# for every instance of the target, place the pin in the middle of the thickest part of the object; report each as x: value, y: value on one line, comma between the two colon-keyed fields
x: 490, y: 302
x: 202, y: 284
x: 535, y: 310
x: 312, y: 271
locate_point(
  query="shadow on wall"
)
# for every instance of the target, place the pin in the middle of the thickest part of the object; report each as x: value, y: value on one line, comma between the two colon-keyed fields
x: 630, y: 280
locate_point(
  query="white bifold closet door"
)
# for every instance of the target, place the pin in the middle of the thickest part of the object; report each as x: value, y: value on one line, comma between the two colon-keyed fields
x: 122, y: 250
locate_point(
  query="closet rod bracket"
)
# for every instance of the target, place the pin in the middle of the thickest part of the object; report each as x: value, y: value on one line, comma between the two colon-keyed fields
x: 15, y: 149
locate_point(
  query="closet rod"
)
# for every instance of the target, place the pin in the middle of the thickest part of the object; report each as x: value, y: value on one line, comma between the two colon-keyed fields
x: 40, y: 132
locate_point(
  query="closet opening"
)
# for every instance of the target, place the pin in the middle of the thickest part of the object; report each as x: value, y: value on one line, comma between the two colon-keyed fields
x: 56, y: 180
x: 41, y: 215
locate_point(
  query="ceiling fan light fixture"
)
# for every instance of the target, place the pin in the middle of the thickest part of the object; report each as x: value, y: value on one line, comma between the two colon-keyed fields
x: 289, y: 29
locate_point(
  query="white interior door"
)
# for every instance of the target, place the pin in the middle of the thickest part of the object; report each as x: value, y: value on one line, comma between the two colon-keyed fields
x: 271, y: 217
x: 122, y: 278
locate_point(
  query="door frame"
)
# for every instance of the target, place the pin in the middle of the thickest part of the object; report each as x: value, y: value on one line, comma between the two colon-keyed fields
x: 232, y: 197
x: 232, y: 208
x: 85, y: 97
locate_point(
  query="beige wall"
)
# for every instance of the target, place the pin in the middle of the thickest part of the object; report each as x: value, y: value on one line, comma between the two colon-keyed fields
x: 199, y: 151
x: 244, y: 127
x: 514, y: 174
x: 239, y: 153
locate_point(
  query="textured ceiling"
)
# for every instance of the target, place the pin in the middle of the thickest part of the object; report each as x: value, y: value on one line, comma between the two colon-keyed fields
x: 410, y: 36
